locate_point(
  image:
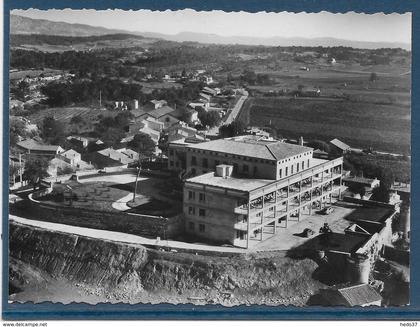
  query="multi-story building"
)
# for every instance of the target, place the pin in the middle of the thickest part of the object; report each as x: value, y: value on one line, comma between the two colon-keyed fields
x: 250, y: 156
x: 247, y: 188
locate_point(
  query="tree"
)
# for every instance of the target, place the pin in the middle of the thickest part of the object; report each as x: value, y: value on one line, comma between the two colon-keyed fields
x: 52, y: 131
x: 21, y: 90
x: 208, y: 118
x: 233, y: 129
x: 16, y: 129
x: 143, y: 144
x: 380, y: 193
x: 35, y: 169
x: 373, y: 77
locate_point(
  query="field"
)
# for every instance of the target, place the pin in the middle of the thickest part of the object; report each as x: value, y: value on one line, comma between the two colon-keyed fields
x: 384, y: 127
x: 87, y: 45
x: 353, y: 108
x: 65, y: 114
x: 149, y: 87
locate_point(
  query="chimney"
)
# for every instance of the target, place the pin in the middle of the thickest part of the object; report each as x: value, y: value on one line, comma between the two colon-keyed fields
x: 301, y: 140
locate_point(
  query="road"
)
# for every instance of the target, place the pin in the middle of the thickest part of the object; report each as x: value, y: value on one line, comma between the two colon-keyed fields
x: 233, y: 114
x: 121, y: 237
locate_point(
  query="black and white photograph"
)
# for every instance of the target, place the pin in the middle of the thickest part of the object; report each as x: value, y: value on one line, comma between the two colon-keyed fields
x: 209, y: 157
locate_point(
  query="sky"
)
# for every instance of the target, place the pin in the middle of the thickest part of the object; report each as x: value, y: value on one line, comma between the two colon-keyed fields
x: 350, y: 26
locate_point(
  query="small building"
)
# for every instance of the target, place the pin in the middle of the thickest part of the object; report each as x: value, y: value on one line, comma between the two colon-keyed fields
x: 195, y: 105
x: 210, y: 91
x: 340, y: 146
x: 156, y: 104
x: 361, y: 181
x: 32, y: 147
x: 79, y: 141
x: 72, y: 157
x: 205, y: 98
x: 357, y: 295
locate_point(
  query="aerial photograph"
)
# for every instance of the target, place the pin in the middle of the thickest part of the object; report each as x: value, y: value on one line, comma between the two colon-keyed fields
x: 209, y: 158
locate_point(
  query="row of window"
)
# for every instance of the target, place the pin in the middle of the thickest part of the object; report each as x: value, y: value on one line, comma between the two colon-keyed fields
x: 297, y: 157
x: 201, y: 196
x: 201, y: 227
x: 217, y: 162
x: 298, y: 167
x: 201, y: 211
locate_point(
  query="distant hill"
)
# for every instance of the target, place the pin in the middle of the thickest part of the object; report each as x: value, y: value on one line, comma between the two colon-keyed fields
x: 275, y: 41
x: 24, y: 25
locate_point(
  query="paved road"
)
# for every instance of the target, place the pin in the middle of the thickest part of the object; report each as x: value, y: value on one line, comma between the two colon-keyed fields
x: 234, y: 112
x: 121, y: 237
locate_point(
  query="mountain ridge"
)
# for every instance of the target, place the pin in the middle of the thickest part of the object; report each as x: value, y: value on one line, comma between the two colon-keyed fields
x: 25, y: 25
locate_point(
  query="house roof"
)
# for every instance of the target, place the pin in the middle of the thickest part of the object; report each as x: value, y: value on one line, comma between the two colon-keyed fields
x: 205, y: 96
x: 32, y: 145
x: 70, y: 153
x: 340, y: 145
x: 178, y: 113
x: 359, y: 294
x: 157, y: 113
x: 115, y: 155
x: 253, y: 147
x: 138, y: 113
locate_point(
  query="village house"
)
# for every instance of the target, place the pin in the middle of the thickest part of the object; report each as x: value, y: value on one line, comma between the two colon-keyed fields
x: 339, y: 146
x: 32, y: 147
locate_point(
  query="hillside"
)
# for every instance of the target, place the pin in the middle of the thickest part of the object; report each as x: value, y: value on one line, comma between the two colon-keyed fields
x: 25, y: 25
x: 45, y: 265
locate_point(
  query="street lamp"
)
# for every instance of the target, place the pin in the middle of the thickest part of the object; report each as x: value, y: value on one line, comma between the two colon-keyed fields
x: 137, y: 179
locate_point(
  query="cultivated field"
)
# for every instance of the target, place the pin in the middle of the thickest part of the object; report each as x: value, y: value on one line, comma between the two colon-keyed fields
x: 360, y: 124
x: 352, y: 107
x: 88, y: 45
x: 65, y: 114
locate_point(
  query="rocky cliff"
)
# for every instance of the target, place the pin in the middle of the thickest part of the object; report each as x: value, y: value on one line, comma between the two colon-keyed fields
x: 126, y: 272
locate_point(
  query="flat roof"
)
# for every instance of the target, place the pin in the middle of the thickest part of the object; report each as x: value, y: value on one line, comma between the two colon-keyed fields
x: 233, y: 183
x: 373, y: 213
x: 253, y: 147
x: 244, y: 184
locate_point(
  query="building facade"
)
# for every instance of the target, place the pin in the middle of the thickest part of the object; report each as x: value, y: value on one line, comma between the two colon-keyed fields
x: 232, y: 205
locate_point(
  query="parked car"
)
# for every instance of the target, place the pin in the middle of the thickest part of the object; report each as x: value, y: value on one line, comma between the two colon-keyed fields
x: 307, y: 232
x: 327, y: 210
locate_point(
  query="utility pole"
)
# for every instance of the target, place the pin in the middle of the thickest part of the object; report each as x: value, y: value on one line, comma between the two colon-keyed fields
x: 20, y: 169
x: 137, y: 178
x: 100, y: 99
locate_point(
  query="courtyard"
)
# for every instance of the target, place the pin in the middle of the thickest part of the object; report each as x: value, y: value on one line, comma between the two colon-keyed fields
x: 292, y: 236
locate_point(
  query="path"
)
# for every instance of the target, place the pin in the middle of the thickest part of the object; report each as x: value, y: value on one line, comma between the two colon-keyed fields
x: 122, y: 237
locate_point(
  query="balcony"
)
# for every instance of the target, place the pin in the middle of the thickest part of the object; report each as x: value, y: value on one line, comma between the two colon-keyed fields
x: 241, y: 225
x: 241, y: 210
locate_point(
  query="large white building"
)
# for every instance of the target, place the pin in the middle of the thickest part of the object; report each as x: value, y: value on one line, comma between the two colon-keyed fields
x: 246, y: 188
